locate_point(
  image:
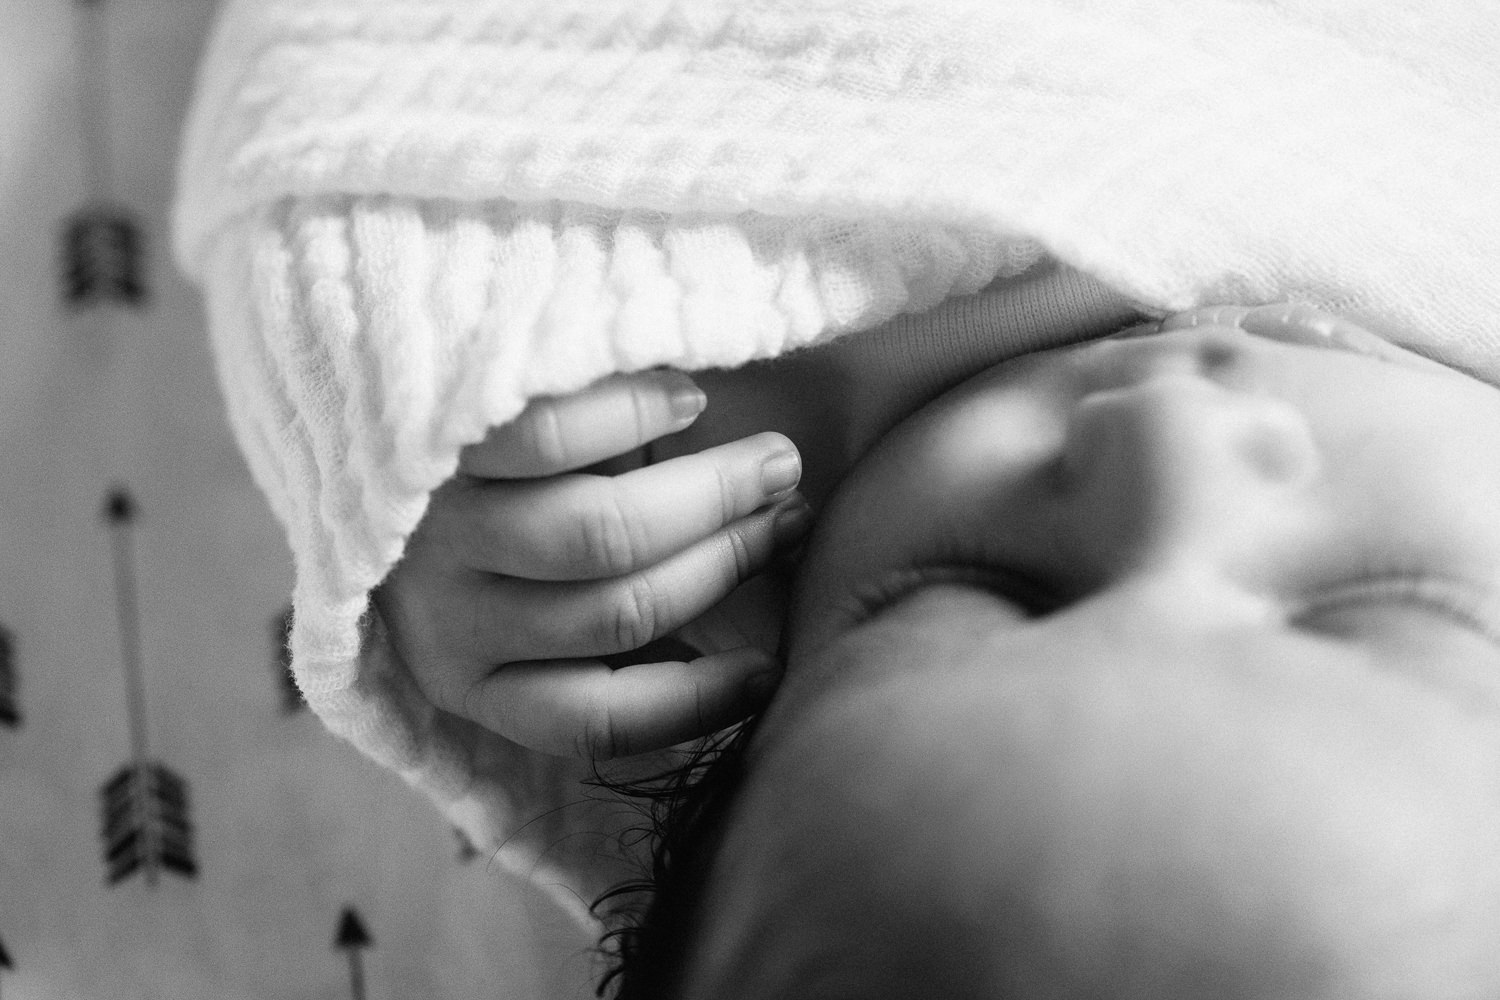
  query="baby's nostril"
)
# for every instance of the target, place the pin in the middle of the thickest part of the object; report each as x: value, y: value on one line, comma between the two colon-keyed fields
x: 1278, y: 451
x: 1268, y: 457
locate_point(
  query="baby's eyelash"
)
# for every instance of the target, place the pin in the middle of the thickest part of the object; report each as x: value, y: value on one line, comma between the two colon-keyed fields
x: 1460, y: 600
x: 1026, y: 594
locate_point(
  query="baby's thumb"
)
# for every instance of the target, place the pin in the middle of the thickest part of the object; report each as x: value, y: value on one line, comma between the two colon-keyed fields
x: 648, y: 706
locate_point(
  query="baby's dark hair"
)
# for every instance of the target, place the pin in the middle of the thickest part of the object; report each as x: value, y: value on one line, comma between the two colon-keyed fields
x: 684, y: 816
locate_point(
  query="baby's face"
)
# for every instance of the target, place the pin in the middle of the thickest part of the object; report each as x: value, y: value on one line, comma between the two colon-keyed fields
x: 1162, y: 666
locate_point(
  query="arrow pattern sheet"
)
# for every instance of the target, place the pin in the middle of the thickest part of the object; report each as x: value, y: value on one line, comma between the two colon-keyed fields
x: 284, y: 823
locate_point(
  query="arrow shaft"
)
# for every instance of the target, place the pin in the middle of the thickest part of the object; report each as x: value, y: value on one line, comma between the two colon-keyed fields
x: 135, y: 694
x: 128, y: 608
x: 94, y: 100
x: 356, y: 975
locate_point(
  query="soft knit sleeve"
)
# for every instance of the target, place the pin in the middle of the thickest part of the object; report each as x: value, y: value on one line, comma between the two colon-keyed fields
x: 410, y: 216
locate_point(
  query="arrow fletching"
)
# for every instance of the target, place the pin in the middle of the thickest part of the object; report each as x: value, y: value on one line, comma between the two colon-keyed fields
x: 102, y: 251
x: 145, y: 823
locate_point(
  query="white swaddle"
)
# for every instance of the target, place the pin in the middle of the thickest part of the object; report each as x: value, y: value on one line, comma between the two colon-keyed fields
x: 410, y: 217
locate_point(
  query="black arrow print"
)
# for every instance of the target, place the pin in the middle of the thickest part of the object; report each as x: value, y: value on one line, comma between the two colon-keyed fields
x: 353, y: 938
x: 144, y: 805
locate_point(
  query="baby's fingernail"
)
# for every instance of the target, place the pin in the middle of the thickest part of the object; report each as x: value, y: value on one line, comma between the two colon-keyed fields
x: 687, y: 401
x: 780, y: 472
x: 792, y: 521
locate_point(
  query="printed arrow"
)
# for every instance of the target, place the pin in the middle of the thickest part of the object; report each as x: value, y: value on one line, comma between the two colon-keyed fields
x: 10, y: 711
x: 119, y: 512
x: 101, y: 243
x: 352, y: 937
x: 144, y: 804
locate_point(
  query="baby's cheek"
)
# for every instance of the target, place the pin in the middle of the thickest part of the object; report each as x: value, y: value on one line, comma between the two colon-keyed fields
x: 1264, y: 816
x: 1433, y: 649
x: 1194, y: 832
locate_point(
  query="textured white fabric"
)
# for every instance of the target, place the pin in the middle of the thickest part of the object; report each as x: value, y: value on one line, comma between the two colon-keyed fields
x: 409, y: 217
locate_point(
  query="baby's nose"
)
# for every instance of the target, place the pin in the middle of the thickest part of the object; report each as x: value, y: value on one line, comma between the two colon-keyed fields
x: 1176, y: 456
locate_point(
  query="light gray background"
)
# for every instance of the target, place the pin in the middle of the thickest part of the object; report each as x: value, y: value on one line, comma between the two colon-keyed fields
x: 291, y: 824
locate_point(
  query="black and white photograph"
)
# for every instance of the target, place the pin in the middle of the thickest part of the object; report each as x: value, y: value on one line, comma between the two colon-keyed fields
x: 750, y: 500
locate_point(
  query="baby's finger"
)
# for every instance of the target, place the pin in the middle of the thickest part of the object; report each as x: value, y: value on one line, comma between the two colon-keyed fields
x: 561, y: 433
x: 543, y: 620
x: 583, y: 708
x: 583, y: 527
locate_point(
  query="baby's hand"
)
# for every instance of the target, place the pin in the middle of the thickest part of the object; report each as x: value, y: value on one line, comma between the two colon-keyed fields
x: 524, y: 571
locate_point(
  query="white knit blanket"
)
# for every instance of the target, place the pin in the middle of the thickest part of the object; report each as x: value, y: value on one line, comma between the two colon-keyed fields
x: 409, y: 217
